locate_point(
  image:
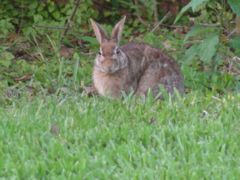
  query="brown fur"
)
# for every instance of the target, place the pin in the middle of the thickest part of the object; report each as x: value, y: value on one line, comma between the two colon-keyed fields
x: 136, y: 67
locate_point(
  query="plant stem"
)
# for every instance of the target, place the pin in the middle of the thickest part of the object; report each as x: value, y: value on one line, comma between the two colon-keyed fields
x: 69, y: 20
x: 238, y: 25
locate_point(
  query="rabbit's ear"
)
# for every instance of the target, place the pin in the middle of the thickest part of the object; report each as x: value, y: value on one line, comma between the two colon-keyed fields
x: 99, y: 32
x: 117, y: 30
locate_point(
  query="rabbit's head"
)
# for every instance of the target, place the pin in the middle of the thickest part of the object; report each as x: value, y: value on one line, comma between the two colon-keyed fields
x: 110, y: 58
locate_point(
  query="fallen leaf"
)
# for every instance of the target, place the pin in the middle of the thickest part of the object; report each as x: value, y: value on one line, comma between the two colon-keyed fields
x: 54, y: 129
x: 66, y: 51
x: 25, y: 77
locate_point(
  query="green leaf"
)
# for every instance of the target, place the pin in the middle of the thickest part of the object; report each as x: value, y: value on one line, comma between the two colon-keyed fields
x: 235, y: 6
x: 208, y: 48
x: 190, y: 54
x: 198, y: 31
x: 90, y: 39
x: 5, y: 63
x: 194, y: 4
x: 37, y: 18
x: 204, y: 50
x: 197, y: 4
x: 5, y: 26
x: 56, y: 14
x: 6, y: 59
x: 235, y: 44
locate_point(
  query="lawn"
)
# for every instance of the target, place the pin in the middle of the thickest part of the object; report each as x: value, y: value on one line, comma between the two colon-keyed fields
x: 71, y: 136
x: 51, y: 129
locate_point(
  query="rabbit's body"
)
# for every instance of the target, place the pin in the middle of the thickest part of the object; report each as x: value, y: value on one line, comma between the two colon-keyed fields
x: 147, y: 68
x: 133, y: 67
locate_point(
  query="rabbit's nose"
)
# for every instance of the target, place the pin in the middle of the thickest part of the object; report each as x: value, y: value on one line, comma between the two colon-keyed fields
x: 101, y: 60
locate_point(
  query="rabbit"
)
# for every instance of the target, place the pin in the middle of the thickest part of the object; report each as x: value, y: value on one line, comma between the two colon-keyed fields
x: 133, y: 67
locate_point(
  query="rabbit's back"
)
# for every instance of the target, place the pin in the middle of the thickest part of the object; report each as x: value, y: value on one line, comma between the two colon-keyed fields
x: 152, y: 68
x: 135, y: 67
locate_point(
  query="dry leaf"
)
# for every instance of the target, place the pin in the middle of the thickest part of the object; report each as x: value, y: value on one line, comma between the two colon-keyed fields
x: 66, y: 51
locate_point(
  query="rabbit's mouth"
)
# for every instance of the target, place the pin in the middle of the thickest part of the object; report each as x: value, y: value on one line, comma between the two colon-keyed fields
x: 112, y: 69
x: 109, y: 70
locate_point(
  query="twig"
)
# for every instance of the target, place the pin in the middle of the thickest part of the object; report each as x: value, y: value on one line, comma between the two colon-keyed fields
x: 231, y: 33
x: 171, y: 26
x: 69, y: 20
x: 177, y: 26
x: 232, y: 68
x: 216, y: 98
x: 49, y: 27
x: 210, y: 25
x: 155, y: 11
x: 236, y: 58
x: 20, y: 19
x: 165, y: 17
x: 88, y: 53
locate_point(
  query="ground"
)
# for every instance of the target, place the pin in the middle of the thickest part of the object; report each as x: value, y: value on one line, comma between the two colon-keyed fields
x: 194, y: 136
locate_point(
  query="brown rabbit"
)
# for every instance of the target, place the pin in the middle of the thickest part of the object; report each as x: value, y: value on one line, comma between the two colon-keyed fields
x: 135, y: 67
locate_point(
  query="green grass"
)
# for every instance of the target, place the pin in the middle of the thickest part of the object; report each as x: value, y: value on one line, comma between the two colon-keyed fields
x: 194, y: 137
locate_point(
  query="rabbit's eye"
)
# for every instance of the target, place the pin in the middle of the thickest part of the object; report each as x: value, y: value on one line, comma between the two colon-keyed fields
x: 118, y: 51
x: 99, y: 53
